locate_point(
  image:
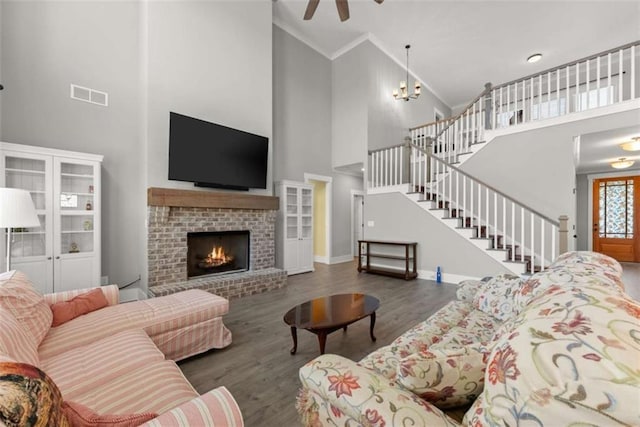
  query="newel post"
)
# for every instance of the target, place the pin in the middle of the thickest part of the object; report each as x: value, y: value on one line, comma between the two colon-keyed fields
x: 488, y: 106
x: 407, y: 159
x: 563, y: 234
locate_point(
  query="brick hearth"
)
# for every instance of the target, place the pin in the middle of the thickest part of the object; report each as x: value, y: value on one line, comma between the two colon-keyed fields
x: 167, y: 241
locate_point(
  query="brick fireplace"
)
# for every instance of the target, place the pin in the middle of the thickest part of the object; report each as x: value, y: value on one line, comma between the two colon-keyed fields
x: 173, y: 215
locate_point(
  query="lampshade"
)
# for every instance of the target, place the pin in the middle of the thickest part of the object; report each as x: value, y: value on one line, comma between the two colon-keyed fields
x: 16, y: 209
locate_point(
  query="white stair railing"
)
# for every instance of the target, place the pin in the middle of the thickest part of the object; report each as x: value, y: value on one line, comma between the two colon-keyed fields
x: 606, y: 78
x: 458, y: 133
x: 526, y: 235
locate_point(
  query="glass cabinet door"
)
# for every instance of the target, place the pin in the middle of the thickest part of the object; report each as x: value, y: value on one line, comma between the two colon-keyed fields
x: 291, y: 215
x: 31, y: 247
x: 75, y: 207
x: 306, y: 213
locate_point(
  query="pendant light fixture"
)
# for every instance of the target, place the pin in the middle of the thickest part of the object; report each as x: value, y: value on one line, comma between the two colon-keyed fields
x: 633, y: 145
x: 403, y: 93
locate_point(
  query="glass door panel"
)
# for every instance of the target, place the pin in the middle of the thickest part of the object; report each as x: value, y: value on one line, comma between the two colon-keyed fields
x: 292, y: 226
x: 76, y: 234
x: 76, y: 187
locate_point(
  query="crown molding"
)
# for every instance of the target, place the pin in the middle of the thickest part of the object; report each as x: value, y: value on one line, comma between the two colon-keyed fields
x: 352, y: 45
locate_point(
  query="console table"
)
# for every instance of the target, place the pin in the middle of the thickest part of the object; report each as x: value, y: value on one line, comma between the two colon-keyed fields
x: 407, y: 253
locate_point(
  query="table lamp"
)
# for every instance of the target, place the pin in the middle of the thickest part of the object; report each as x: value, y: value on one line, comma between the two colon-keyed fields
x: 16, y: 210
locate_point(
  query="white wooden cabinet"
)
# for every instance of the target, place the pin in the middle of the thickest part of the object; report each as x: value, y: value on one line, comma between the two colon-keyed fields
x: 64, y: 252
x: 294, y: 227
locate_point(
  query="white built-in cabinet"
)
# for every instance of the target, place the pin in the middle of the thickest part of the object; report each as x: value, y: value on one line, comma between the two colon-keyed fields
x: 294, y: 227
x: 63, y: 253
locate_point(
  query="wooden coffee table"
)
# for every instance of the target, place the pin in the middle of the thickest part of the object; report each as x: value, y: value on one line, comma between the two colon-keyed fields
x: 322, y: 316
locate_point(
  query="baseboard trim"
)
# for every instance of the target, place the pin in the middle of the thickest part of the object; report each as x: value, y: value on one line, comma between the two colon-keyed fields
x: 322, y: 259
x: 341, y: 259
x: 446, y: 277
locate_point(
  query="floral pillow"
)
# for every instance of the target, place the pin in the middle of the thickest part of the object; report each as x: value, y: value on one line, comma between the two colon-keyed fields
x: 444, y: 378
x: 496, y: 297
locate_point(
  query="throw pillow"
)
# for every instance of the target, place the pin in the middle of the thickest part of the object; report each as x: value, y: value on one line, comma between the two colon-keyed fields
x: 82, y: 416
x: 77, y: 306
x: 496, y: 297
x: 444, y: 378
x: 27, y: 305
x: 29, y: 397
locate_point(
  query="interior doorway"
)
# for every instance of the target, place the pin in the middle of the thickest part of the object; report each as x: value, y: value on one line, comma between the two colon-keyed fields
x: 322, y: 191
x: 357, y: 220
x: 615, y: 213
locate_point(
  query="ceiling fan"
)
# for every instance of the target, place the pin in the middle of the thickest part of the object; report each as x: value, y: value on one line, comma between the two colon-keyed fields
x: 342, y: 5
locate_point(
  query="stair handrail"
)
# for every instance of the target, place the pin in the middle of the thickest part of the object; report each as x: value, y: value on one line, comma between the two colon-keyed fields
x: 479, y: 181
x: 487, y: 89
x: 435, y: 122
x: 569, y: 64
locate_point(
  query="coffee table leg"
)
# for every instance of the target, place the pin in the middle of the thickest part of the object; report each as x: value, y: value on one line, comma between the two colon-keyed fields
x: 344, y: 328
x: 294, y: 335
x: 373, y: 323
x: 322, y: 340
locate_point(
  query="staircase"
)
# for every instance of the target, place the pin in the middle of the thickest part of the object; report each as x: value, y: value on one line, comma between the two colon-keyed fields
x: 427, y: 169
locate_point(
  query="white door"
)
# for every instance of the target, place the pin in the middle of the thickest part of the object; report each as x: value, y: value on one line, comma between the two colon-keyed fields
x: 358, y: 221
x: 31, y: 248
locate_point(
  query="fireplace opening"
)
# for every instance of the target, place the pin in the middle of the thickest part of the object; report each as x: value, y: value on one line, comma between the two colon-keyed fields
x: 217, y: 252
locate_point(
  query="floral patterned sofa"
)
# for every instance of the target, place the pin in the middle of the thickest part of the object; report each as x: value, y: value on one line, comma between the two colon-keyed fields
x: 557, y: 349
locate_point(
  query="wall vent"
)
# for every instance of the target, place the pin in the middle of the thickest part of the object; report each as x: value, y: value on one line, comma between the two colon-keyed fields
x: 92, y: 96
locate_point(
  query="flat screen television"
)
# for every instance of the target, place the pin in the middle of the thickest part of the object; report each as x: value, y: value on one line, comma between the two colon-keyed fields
x: 212, y: 155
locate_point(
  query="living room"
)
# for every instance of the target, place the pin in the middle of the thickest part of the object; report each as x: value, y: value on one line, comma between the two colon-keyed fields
x: 228, y: 63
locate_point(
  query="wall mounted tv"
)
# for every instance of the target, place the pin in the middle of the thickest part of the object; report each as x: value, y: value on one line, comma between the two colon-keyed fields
x: 212, y: 155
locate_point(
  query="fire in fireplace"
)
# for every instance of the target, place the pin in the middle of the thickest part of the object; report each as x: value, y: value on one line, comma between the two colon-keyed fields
x: 217, y: 252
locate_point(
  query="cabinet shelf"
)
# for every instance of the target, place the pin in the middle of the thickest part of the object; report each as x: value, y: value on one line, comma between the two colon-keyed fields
x: 409, y: 257
x: 76, y: 231
x: 75, y: 212
x: 76, y: 175
x: 24, y: 171
x: 18, y: 233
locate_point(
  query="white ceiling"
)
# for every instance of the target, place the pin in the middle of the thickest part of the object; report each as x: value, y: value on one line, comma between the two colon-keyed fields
x: 599, y: 149
x: 457, y: 46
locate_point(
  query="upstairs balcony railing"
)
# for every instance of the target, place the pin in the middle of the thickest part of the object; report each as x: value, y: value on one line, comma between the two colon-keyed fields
x: 599, y: 80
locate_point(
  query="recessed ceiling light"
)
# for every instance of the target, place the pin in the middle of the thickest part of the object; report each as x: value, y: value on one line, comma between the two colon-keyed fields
x: 361, y: 169
x: 623, y: 163
x: 534, y: 58
x: 633, y: 145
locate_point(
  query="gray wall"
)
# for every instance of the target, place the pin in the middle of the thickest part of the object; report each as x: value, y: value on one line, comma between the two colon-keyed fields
x: 396, y: 217
x: 46, y: 46
x: 349, y: 99
x: 302, y: 128
x: 582, y: 212
x: 301, y: 109
x: 210, y: 60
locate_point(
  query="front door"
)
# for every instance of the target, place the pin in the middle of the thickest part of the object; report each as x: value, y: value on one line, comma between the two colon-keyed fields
x: 615, y: 213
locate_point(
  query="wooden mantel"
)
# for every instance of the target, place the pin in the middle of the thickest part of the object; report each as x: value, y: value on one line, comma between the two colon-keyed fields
x: 208, y: 199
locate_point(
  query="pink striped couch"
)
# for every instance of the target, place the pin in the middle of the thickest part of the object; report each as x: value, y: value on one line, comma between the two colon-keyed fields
x: 121, y: 359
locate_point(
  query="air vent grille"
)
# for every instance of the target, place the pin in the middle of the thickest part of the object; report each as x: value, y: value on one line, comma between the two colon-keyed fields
x: 92, y: 96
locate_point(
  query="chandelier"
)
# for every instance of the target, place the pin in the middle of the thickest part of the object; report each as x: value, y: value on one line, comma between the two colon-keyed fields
x: 404, y: 93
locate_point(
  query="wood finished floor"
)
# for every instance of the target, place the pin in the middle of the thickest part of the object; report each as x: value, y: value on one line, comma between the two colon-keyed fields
x: 257, y: 367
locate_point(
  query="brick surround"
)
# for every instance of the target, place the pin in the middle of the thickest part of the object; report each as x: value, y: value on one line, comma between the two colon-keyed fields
x: 167, y: 249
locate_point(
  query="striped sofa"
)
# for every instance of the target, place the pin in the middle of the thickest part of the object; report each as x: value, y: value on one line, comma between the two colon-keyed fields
x: 121, y: 359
